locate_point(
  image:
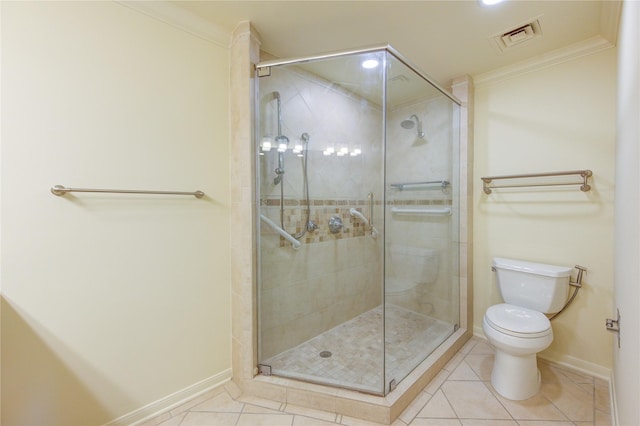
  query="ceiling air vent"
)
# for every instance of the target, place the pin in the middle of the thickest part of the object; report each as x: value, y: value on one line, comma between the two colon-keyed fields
x: 517, y: 36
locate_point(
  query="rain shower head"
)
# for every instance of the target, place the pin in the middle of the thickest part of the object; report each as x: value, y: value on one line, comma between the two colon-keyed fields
x: 410, y: 122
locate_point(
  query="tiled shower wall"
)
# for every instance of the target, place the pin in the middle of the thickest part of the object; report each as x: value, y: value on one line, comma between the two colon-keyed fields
x: 332, y: 278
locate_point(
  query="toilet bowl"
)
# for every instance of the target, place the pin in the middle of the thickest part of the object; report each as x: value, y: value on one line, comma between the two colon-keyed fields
x: 518, y: 329
x: 517, y: 334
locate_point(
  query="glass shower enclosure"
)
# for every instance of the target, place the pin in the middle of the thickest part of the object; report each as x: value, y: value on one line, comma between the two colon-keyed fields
x: 357, y: 195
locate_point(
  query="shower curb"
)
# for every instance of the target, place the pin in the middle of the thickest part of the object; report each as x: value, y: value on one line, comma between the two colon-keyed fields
x: 382, y: 409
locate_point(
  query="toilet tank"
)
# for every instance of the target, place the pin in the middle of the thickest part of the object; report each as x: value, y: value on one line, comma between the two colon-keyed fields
x: 538, y: 286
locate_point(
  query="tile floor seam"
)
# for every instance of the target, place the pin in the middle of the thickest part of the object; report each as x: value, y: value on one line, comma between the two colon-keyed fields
x: 418, y: 410
x: 293, y: 416
x: 474, y: 372
x: 181, y: 420
x: 557, y: 408
x: 593, y: 402
x: 445, y: 380
x: 500, y: 402
x: 569, y: 418
x: 448, y: 402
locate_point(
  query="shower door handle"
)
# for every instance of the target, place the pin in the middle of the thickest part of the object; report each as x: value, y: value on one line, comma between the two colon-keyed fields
x: 370, y: 218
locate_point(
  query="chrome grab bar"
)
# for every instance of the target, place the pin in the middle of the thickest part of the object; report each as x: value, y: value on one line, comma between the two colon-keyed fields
x: 294, y: 243
x: 60, y: 190
x: 356, y: 213
x: 370, y: 218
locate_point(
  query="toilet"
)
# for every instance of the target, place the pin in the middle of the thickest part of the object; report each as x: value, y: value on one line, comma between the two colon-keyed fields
x: 409, y: 270
x: 518, y: 328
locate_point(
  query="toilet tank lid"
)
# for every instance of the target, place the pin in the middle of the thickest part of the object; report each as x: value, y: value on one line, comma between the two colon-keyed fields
x: 532, y: 267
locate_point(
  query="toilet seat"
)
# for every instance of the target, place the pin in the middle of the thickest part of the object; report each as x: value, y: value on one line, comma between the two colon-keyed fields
x: 517, y: 321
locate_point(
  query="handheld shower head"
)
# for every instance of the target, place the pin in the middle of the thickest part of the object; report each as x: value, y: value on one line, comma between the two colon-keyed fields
x: 282, y: 142
x: 412, y: 121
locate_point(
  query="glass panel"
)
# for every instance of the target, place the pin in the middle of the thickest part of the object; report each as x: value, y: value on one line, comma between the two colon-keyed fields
x: 421, y: 220
x: 320, y: 305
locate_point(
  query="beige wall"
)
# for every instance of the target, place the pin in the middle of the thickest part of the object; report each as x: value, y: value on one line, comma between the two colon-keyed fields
x: 110, y: 302
x: 557, y: 118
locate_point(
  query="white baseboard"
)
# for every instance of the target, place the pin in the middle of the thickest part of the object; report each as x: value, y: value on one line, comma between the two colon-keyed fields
x: 614, y: 403
x: 578, y: 365
x: 566, y: 361
x: 171, y: 401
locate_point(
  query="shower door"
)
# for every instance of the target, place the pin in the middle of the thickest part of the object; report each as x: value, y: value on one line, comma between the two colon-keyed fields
x: 320, y: 196
x: 357, y: 193
x: 421, y: 216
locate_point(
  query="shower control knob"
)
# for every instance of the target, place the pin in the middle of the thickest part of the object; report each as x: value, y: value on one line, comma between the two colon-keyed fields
x: 335, y: 224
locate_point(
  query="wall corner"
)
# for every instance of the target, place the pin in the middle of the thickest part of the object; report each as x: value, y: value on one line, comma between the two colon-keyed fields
x: 244, y: 53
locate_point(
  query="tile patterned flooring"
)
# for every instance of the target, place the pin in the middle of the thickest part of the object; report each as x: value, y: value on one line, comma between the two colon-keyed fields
x: 461, y: 394
x: 409, y: 335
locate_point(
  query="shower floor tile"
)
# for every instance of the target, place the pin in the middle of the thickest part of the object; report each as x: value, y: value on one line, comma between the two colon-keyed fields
x: 356, y: 352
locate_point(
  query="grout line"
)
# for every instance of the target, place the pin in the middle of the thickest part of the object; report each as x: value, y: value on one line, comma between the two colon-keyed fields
x: 593, y: 401
x: 448, y: 402
x: 184, y: 416
x: 498, y: 399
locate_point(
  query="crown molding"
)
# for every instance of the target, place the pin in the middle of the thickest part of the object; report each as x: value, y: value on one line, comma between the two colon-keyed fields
x: 558, y: 56
x: 182, y: 19
x: 610, y: 20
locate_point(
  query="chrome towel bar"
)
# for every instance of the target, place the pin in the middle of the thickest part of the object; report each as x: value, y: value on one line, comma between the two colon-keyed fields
x: 584, y: 186
x: 442, y: 184
x: 445, y: 211
x: 60, y: 190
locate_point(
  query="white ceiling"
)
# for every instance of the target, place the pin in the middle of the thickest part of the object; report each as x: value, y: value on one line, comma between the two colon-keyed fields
x: 444, y: 39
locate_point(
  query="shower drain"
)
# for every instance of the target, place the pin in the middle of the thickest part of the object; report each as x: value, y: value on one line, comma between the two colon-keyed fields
x: 325, y: 354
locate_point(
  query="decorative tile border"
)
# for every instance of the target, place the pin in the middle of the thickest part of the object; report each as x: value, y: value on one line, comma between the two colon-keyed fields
x: 357, y: 203
x: 295, y: 215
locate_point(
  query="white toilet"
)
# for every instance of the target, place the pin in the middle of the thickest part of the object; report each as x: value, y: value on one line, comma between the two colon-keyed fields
x: 409, y: 269
x: 518, y: 329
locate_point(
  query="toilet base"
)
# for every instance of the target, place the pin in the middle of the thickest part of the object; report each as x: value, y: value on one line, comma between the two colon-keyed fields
x: 515, y: 377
